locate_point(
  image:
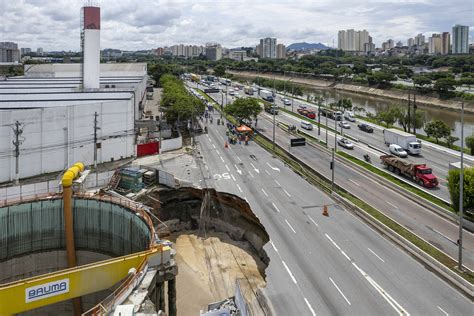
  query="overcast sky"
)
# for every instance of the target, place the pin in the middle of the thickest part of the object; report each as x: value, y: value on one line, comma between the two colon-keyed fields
x: 144, y: 24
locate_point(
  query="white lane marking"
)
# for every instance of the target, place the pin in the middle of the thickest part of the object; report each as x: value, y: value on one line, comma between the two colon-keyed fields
x: 222, y: 158
x: 335, y: 285
x: 238, y: 170
x: 273, y: 168
x: 264, y: 192
x: 273, y: 245
x: 289, y: 272
x: 288, y: 223
x: 238, y: 187
x: 391, y: 204
x: 400, y: 310
x: 209, y: 138
x: 213, y: 146
x: 239, y: 158
x: 250, y: 173
x: 256, y: 170
x: 278, y: 183
x: 375, y: 254
x: 267, y: 172
x: 354, y: 182
x: 227, y: 167
x: 286, y: 192
x: 276, y: 208
x: 314, y: 222
x: 333, y: 242
x: 345, y: 255
x: 443, y: 310
x: 310, y: 307
x: 233, y: 178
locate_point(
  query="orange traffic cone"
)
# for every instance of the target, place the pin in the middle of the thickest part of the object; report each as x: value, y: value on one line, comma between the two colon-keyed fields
x: 325, y: 210
x: 226, y: 145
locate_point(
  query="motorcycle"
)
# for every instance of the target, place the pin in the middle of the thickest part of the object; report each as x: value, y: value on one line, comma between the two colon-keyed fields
x: 367, y: 158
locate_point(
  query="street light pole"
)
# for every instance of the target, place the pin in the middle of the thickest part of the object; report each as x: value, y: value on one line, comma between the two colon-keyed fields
x: 461, y: 189
x: 273, y: 110
x: 335, y: 133
x: 332, y: 170
x: 319, y: 118
x: 326, y: 130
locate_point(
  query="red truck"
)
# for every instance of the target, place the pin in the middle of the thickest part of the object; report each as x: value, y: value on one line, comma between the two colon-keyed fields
x: 419, y: 173
x: 308, y: 113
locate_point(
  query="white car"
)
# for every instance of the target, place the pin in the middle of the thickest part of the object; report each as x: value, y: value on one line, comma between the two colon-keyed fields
x: 397, y: 150
x: 344, y: 124
x: 286, y: 101
x: 231, y: 92
x: 344, y: 142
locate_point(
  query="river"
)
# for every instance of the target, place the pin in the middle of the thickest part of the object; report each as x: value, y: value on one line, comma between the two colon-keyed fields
x: 374, y: 104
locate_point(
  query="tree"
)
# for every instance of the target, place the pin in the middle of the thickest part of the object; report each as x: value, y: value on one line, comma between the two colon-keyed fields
x: 444, y: 86
x: 244, y: 109
x: 387, y: 117
x: 421, y: 81
x: 219, y: 70
x: 468, y: 188
x: 470, y: 143
x: 437, y: 129
x: 380, y: 77
x: 407, y: 122
x: 450, y: 140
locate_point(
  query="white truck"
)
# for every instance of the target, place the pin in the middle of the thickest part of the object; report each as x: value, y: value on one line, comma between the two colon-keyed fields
x: 349, y: 116
x: 266, y: 95
x: 403, y: 139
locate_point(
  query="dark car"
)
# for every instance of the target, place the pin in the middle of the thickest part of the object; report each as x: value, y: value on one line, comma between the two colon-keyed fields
x: 366, y: 128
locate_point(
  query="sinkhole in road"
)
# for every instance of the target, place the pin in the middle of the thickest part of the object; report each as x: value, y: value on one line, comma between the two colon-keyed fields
x: 219, y: 243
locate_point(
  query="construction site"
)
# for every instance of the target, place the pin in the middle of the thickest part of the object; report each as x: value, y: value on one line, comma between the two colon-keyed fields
x: 107, y: 235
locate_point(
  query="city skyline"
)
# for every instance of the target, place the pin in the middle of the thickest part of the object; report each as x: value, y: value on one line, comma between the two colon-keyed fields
x: 164, y: 23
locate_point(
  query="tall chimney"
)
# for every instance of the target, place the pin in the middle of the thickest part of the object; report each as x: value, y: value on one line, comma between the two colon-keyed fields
x: 91, y: 50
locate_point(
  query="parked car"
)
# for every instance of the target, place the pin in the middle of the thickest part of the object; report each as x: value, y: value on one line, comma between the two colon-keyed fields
x: 231, y: 92
x: 344, y: 124
x: 366, y: 128
x: 397, y: 150
x: 344, y: 142
x: 286, y: 101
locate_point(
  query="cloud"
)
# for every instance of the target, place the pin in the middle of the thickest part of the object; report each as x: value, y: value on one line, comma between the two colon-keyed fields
x: 131, y: 24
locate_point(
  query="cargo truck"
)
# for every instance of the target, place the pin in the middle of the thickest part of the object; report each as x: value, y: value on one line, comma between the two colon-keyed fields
x: 419, y: 173
x: 403, y: 139
x: 270, y: 108
x: 266, y: 95
x: 248, y: 90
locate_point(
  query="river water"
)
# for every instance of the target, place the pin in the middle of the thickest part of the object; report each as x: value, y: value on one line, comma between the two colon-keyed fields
x: 374, y: 104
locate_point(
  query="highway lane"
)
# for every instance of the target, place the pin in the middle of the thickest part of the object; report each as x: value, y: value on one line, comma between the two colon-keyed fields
x: 437, y: 159
x: 320, y: 264
x: 434, y: 229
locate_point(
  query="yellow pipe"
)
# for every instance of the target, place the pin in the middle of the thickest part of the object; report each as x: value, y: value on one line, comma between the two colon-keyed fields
x: 66, y: 181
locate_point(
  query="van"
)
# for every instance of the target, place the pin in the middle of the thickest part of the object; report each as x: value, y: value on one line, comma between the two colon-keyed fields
x: 307, y: 125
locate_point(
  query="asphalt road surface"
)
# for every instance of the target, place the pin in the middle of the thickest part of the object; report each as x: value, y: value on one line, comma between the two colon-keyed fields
x: 321, y: 265
x: 436, y: 230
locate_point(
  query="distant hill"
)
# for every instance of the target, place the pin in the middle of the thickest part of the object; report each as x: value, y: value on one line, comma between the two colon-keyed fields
x: 306, y: 46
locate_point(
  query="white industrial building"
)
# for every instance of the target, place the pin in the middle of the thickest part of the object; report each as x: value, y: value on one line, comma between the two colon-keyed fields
x: 56, y: 113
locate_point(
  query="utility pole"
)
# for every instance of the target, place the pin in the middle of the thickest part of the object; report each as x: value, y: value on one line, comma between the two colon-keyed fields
x: 273, y: 110
x: 95, y: 139
x: 335, y: 133
x: 461, y: 189
x: 327, y: 130
x: 17, y: 130
x: 414, y: 112
x: 292, y: 94
x: 319, y: 118
x: 332, y: 170
x: 408, y: 112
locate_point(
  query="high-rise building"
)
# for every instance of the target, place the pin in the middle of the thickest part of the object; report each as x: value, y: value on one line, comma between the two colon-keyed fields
x: 9, y: 52
x: 213, y: 51
x: 411, y: 42
x: 25, y: 50
x: 445, y: 43
x: 420, y: 40
x: 350, y: 40
x: 268, y: 47
x: 280, y: 51
x: 434, y: 44
x: 391, y: 43
x: 460, y: 39
x: 39, y: 51
x: 399, y: 44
